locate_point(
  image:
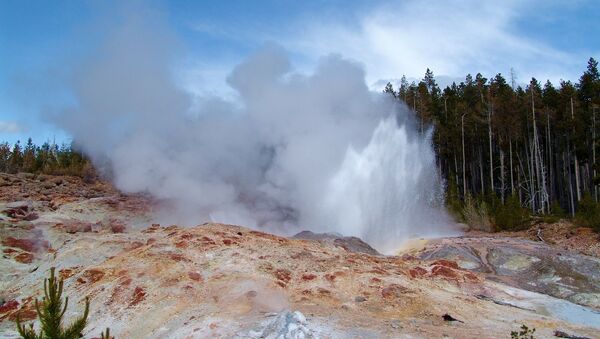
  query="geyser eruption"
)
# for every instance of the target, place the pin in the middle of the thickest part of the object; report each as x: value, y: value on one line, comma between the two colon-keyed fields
x: 389, y: 190
x: 291, y: 152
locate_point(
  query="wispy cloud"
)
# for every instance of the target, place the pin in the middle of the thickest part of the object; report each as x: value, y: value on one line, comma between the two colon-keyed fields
x: 11, y: 127
x: 451, y: 37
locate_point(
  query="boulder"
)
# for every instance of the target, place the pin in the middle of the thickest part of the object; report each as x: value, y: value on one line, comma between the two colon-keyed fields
x: 350, y: 244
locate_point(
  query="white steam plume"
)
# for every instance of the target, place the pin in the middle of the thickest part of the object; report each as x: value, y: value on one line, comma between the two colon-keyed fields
x: 294, y: 152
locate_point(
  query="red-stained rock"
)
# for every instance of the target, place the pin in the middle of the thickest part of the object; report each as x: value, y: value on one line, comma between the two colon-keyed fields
x: 139, y: 295
x: 25, y: 314
x: 323, y: 291
x: 152, y: 228
x: 93, y: 275
x: 417, y: 272
x: 283, y: 274
x: 379, y: 271
x: 208, y: 241
x: 181, y: 244
x: 8, y: 306
x: 393, y: 291
x: 24, y: 258
x: 330, y: 277
x: 471, y: 276
x: 443, y: 271
x: 186, y: 236
x: 269, y: 236
x: 195, y: 276
x: 135, y: 244
x: 375, y: 280
x: 27, y: 245
x: 308, y: 277
x: 178, y: 257
x: 117, y: 227
x: 445, y: 263
x: 227, y: 241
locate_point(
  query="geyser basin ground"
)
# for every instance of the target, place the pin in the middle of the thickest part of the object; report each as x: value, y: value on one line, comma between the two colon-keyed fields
x: 225, y: 281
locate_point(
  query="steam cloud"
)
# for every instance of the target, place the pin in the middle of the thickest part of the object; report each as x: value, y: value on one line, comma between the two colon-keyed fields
x: 293, y: 152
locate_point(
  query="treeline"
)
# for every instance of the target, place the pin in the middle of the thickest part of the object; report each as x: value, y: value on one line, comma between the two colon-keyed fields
x: 499, y: 143
x: 45, y: 159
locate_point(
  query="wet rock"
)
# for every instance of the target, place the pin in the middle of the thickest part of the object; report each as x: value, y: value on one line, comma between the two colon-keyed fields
x: 508, y: 261
x: 562, y: 334
x: 529, y: 265
x: 350, y: 244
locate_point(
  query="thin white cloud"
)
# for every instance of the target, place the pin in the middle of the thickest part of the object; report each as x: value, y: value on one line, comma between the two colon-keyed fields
x: 452, y: 38
x: 10, y: 127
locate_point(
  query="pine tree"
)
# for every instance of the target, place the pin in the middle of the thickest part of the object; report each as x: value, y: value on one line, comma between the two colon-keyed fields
x: 51, y: 312
x: 29, y: 157
x: 389, y: 89
x: 4, y: 157
x: 15, y: 161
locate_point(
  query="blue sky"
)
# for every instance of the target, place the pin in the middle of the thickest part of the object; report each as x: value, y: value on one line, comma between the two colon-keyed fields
x: 41, y: 41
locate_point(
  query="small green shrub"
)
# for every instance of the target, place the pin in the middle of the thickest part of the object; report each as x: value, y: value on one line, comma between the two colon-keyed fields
x: 556, y: 213
x: 588, y: 212
x: 475, y: 213
x: 511, y: 216
x: 524, y: 333
x: 453, y: 202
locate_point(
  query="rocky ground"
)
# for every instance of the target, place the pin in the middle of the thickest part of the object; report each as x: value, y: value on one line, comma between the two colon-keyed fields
x: 214, y: 280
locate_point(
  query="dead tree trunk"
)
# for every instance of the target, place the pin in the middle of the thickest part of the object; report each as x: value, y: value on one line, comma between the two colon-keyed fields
x: 577, y: 182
